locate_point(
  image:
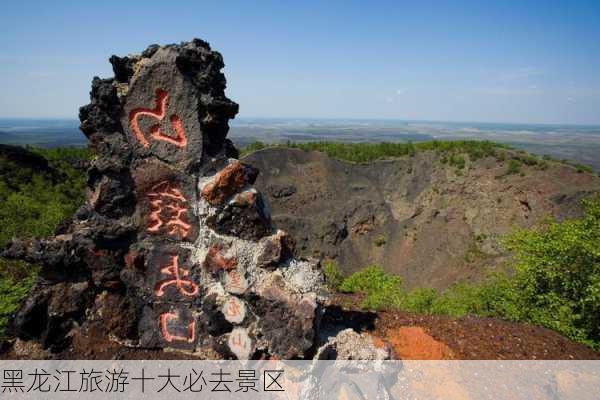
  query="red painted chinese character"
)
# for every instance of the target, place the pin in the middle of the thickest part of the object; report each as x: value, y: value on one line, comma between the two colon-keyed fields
x: 237, y: 339
x: 239, y: 343
x: 155, y: 131
x: 164, y: 320
x: 185, y: 286
x: 233, y: 308
x: 169, y: 208
x: 233, y: 282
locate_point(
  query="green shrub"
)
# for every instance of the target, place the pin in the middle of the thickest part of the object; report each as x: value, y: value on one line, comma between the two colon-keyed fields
x: 528, y: 159
x: 381, y: 290
x: 583, y: 168
x: 457, y: 160
x: 579, y: 167
x: 419, y: 300
x: 473, y: 252
x: 543, y: 165
x: 514, y: 167
x: 379, y: 241
x: 333, y: 274
x: 16, y: 278
x: 493, y: 297
x: 558, y: 274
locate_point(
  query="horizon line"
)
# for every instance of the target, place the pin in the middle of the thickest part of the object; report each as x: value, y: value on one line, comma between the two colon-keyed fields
x: 459, y: 121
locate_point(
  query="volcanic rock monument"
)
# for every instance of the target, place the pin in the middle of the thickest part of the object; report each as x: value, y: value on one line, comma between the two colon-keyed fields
x: 173, y: 249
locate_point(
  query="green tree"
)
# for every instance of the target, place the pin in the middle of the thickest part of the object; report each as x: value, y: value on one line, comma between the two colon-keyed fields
x: 558, y: 274
x: 32, y: 204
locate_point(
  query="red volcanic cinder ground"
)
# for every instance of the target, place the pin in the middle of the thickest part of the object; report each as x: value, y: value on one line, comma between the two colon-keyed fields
x: 427, y: 337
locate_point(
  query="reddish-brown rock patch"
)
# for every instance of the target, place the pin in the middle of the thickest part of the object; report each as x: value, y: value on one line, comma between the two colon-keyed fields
x: 215, y: 261
x: 413, y: 343
x: 227, y: 182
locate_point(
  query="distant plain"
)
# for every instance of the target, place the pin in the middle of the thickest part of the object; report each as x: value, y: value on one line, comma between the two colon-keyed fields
x: 575, y: 143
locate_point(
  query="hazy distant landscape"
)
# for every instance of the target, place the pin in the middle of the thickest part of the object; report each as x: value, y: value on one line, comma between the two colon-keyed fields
x: 41, y: 132
x: 576, y: 143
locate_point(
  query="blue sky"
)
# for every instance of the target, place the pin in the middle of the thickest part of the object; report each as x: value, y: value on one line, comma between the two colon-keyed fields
x: 505, y: 61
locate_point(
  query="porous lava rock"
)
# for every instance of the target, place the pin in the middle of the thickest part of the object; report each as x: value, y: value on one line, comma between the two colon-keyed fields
x: 173, y: 249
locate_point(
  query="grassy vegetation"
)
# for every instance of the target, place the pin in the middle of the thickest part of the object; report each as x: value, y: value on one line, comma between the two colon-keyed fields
x: 556, y: 282
x: 456, y: 154
x: 32, y: 204
x: 453, y: 153
x: 333, y: 274
x: 16, y: 279
x: 378, y: 287
x: 514, y: 167
x: 457, y: 160
x: 581, y: 168
x: 379, y: 241
x: 364, y: 152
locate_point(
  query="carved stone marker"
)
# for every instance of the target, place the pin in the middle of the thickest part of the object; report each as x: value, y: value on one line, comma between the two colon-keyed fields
x: 174, y: 248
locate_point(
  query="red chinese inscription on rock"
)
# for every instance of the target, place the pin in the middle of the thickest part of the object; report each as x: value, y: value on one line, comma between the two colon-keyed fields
x: 240, y: 343
x: 234, y: 283
x: 177, y: 277
x: 164, y: 321
x: 156, y: 132
x: 168, y: 209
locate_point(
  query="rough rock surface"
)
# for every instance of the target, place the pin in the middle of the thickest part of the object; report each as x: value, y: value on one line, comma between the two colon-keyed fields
x: 350, y: 345
x: 174, y: 249
x: 416, y: 217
